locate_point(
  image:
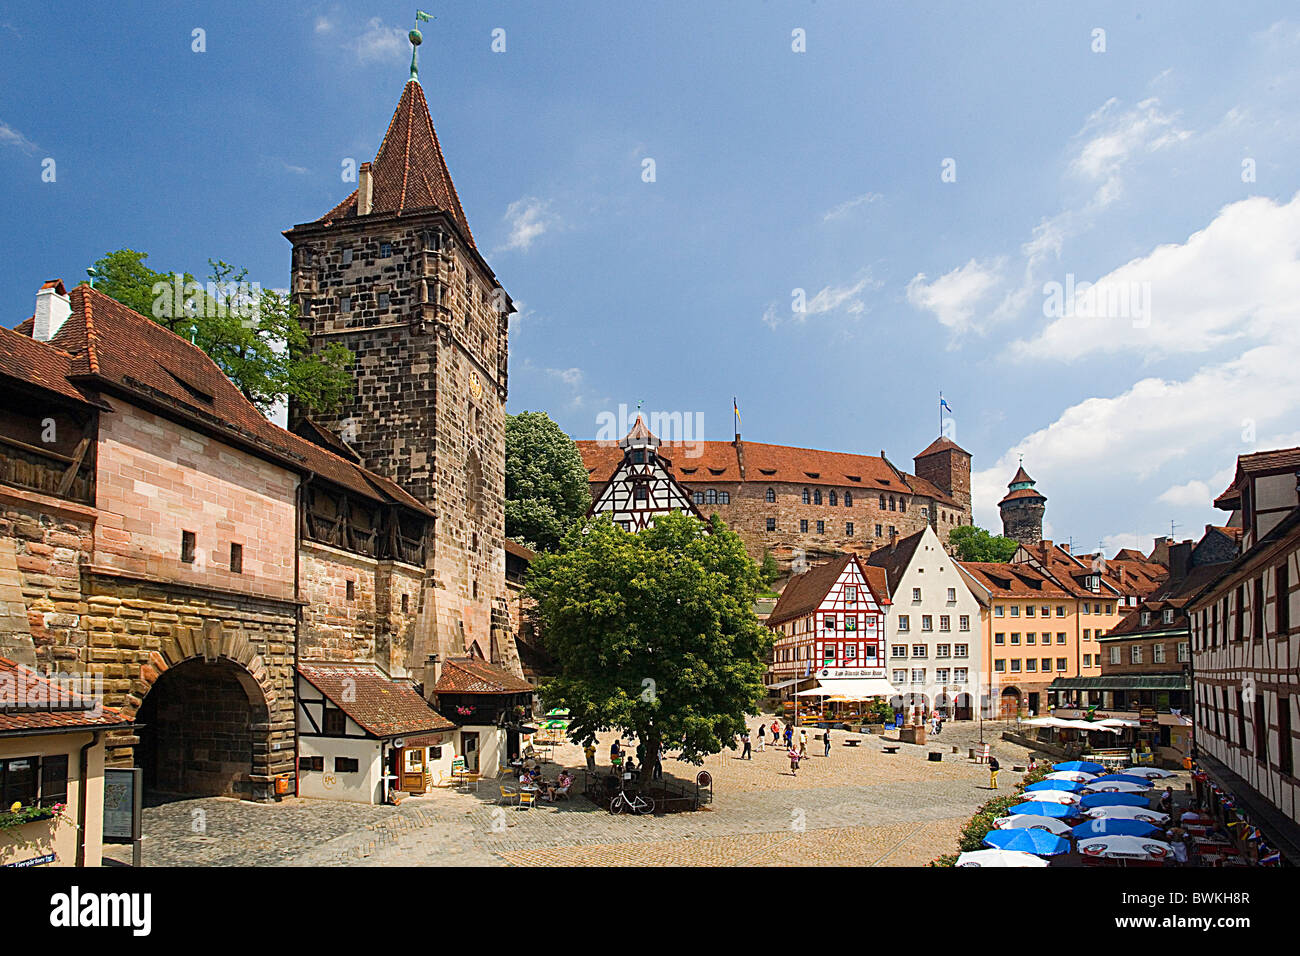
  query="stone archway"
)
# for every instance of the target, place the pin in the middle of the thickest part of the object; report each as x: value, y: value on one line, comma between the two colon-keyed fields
x: 202, y: 723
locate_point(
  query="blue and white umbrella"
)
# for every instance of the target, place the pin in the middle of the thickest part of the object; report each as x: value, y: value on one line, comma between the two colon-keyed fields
x: 1124, y: 777
x: 1145, y: 814
x: 1117, y: 786
x: 1091, y: 800
x: 1058, y: 810
x: 1051, y: 796
x: 1069, y: 786
x: 1113, y: 826
x: 1032, y: 821
x: 1038, y: 842
x: 999, y: 858
x: 1150, y: 773
x: 1078, y: 776
x: 1087, y: 766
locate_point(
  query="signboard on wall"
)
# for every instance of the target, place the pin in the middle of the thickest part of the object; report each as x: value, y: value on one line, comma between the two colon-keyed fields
x: 122, y: 804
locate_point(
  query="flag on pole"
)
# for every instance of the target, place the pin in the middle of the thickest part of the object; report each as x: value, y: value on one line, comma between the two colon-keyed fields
x: 943, y: 403
x: 421, y: 15
x: 736, y: 408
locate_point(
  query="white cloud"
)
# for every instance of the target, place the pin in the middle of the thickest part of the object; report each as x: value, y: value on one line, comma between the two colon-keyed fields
x: 11, y: 137
x: 846, y: 207
x: 573, y: 379
x: 379, y: 42
x: 324, y: 25
x: 955, y: 296
x: 1190, y: 494
x: 529, y: 219
x: 846, y: 299
x: 1115, y: 138
x: 1238, y: 278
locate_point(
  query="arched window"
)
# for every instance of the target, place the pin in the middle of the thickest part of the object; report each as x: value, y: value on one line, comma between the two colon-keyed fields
x: 474, y: 483
x: 817, y: 497
x: 902, y: 504
x: 711, y: 497
x: 882, y: 502
x: 697, y: 497
x: 807, y: 496
x: 724, y: 497
x: 848, y: 499
x: 770, y: 496
x: 892, y: 503
x: 834, y: 499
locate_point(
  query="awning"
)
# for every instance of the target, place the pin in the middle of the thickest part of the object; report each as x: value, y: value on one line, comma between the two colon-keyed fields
x: 1123, y: 682
x: 781, y: 685
x: 852, y: 688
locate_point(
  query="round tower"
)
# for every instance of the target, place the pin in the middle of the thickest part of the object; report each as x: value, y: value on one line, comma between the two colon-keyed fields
x: 1022, y: 510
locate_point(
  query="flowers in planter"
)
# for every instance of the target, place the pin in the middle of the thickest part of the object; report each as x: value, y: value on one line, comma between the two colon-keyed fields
x: 17, y: 814
x: 464, y: 710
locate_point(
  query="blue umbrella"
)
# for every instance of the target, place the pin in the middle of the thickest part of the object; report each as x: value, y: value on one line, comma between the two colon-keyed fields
x: 1084, y: 766
x: 1115, y: 800
x: 1058, y: 810
x: 1038, y: 842
x: 1069, y: 785
x: 1122, y: 778
x: 1109, y: 826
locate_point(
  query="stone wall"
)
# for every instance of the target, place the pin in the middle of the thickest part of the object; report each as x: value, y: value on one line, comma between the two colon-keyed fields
x: 1022, y: 520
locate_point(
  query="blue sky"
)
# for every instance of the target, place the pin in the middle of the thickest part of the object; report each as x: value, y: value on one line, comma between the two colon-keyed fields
x: 775, y: 171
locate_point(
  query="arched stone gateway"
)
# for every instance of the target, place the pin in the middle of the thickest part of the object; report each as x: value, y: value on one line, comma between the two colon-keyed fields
x: 1009, y: 703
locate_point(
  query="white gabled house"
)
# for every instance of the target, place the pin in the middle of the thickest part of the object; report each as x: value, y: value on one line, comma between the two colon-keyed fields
x: 642, y: 485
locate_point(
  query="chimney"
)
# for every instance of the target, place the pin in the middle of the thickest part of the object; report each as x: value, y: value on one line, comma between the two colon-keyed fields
x: 365, y: 190
x: 432, y: 671
x: 1180, y: 559
x: 52, y: 310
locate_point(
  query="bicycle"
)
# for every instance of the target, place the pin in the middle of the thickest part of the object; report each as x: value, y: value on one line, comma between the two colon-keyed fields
x: 635, y: 803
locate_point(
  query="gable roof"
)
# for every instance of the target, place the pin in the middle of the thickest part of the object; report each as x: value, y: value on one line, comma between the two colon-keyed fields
x: 473, y: 675
x: 409, y: 171
x: 1260, y: 462
x: 103, y: 345
x: 1006, y: 580
x: 805, y: 592
x: 942, y: 444
x: 381, y: 706
x: 893, y: 560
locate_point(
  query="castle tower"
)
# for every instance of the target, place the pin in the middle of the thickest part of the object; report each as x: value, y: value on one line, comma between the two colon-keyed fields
x: 393, y: 274
x: 1022, y: 510
x: 947, y: 465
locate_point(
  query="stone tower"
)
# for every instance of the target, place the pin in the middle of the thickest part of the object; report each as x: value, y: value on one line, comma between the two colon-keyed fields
x: 392, y: 273
x: 1022, y: 510
x: 947, y: 465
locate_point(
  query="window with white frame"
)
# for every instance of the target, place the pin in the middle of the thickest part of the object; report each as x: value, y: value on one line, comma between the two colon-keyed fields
x: 904, y: 624
x: 1157, y: 653
x: 1135, y: 654
x: 1114, y: 655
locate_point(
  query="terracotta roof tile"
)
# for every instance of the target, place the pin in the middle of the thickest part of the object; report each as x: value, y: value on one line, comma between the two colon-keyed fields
x: 471, y: 675
x: 382, y: 706
x: 69, y: 710
x: 942, y: 444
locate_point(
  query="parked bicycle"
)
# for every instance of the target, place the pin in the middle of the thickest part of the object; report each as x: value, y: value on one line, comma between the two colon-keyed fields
x: 631, y: 803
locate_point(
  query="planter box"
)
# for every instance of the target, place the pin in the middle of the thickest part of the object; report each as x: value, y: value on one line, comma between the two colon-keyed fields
x: 28, y: 841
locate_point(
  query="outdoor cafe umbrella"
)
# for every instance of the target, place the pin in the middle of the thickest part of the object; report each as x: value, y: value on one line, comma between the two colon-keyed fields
x: 1037, y: 808
x: 1125, y: 848
x: 1087, y: 766
x: 1078, y: 776
x: 1038, y: 842
x: 1069, y: 786
x: 1151, y: 773
x: 1145, y: 814
x: 1113, y: 826
x: 1032, y: 821
x: 557, y: 712
x: 1091, y: 800
x: 1051, y: 796
x: 1117, y: 786
x: 998, y: 858
x: 1124, y: 777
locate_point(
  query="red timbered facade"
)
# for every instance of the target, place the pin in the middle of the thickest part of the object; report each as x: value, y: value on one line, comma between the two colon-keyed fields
x: 642, y: 485
x: 830, y: 624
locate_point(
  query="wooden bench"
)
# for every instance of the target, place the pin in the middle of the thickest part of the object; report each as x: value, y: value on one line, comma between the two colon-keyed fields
x: 890, y: 749
x: 852, y: 742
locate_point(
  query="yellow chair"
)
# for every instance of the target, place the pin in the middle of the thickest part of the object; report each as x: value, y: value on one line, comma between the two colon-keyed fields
x: 527, y: 799
x: 509, y: 796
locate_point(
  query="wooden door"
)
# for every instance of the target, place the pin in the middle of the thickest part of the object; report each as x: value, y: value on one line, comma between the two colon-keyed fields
x: 410, y: 764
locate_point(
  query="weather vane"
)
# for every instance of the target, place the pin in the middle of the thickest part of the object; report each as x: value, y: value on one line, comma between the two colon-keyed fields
x: 416, y: 38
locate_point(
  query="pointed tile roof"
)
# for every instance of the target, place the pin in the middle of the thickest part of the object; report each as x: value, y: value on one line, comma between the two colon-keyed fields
x: 409, y: 171
x: 941, y: 444
x: 1021, y: 475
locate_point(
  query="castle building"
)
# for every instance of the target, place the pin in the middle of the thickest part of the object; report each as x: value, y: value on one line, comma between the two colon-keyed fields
x: 803, y: 505
x: 1022, y: 510
x: 393, y: 274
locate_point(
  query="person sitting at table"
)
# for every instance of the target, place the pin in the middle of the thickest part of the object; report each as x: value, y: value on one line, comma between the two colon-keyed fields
x: 630, y: 767
x: 563, y: 782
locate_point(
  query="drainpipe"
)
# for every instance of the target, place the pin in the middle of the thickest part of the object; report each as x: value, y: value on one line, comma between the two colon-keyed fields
x: 298, y: 612
x: 83, y: 769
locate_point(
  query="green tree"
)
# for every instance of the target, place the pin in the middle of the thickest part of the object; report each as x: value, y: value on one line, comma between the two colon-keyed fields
x: 975, y: 544
x: 546, y: 481
x: 654, y: 633
x: 769, y: 569
x: 252, y: 334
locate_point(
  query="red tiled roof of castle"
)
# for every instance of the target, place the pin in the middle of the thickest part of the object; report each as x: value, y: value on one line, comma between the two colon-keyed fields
x: 1023, y: 493
x: 716, y: 461
x: 942, y: 444
x: 409, y: 171
x: 104, y: 344
x: 380, y: 705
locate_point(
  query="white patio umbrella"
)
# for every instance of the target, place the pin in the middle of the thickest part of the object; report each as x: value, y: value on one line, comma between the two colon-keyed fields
x: 815, y: 692
x: 1116, y: 786
x: 1031, y: 821
x: 1125, y: 848
x: 1128, y: 813
x: 1074, y: 776
x: 1052, y: 796
x: 999, y: 858
x: 1120, y: 722
x: 1151, y: 773
x: 1088, y: 725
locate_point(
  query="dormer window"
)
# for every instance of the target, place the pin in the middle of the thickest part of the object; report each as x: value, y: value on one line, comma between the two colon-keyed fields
x: 813, y: 474
x: 1168, y: 616
x: 1146, y: 618
x: 638, y: 457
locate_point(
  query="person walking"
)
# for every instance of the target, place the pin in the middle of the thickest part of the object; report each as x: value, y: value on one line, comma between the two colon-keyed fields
x: 803, y: 743
x: 994, y: 767
x: 794, y: 760
x: 776, y: 732
x: 747, y: 754
x: 658, y: 773
x: 590, y: 751
x: 762, y: 735
x: 827, y: 741
x: 789, y: 736
x: 1167, y: 800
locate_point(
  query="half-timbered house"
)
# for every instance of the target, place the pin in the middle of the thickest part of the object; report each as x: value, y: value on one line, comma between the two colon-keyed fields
x: 830, y: 625
x: 642, y: 485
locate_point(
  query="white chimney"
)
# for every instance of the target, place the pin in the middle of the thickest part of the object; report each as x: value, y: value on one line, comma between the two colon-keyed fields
x: 52, y: 310
x: 365, y: 190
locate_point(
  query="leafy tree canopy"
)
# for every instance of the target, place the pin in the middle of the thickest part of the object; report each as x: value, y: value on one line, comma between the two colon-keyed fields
x: 654, y: 632
x: 546, y: 481
x: 975, y: 544
x: 252, y: 334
